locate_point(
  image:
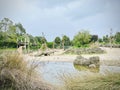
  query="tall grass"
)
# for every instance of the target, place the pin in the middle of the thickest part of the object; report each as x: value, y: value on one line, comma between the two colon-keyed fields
x: 16, y: 74
x: 91, y: 82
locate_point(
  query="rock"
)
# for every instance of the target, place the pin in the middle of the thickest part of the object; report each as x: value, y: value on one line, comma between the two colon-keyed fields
x: 95, y: 60
x: 92, y: 66
x: 81, y: 61
x: 84, y: 51
x: 91, y: 62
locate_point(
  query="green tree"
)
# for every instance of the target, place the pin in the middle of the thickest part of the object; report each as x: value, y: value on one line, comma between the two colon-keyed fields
x: 20, y: 30
x: 106, y: 39
x: 100, y: 40
x: 8, y: 33
x: 66, y: 40
x: 50, y: 44
x: 57, y: 40
x: 117, y: 37
x: 82, y: 38
x: 94, y: 38
x: 5, y: 24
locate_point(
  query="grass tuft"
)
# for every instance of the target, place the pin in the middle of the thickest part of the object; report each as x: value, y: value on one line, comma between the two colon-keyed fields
x: 91, y: 82
x: 16, y: 74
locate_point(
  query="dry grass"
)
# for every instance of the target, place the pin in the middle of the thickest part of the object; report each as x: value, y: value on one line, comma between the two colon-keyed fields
x: 91, y: 82
x: 16, y: 74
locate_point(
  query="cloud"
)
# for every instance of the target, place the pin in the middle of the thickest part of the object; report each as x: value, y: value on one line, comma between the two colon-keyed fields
x: 84, y: 8
x: 102, y: 22
x: 53, y: 3
x: 56, y: 17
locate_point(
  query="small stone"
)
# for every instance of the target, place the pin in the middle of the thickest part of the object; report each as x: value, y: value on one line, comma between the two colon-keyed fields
x: 92, y: 66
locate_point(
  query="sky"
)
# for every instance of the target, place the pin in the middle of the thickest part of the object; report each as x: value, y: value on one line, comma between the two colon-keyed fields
x: 63, y: 17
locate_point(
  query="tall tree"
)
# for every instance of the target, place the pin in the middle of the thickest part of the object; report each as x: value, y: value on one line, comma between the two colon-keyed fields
x: 20, y: 29
x: 10, y: 33
x: 66, y: 40
x: 5, y: 24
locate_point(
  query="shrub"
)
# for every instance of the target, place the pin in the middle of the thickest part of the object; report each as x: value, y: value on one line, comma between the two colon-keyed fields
x: 82, y: 39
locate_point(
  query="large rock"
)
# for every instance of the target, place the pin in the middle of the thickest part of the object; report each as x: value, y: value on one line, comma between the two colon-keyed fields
x: 80, y: 60
x: 87, y: 62
x: 95, y: 60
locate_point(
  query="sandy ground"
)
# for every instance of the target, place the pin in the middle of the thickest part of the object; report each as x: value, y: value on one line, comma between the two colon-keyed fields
x: 111, y: 54
x: 56, y: 57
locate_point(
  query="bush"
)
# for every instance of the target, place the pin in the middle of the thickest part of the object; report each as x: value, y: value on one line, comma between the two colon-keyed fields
x: 50, y: 44
x: 82, y: 39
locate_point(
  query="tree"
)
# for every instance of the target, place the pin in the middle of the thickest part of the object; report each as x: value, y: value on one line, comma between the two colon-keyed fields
x: 117, y: 37
x: 41, y: 39
x: 57, y: 40
x: 100, y: 40
x: 20, y: 30
x: 8, y: 31
x: 66, y: 40
x: 106, y: 39
x: 50, y: 44
x: 94, y: 38
x: 81, y: 39
x: 5, y: 24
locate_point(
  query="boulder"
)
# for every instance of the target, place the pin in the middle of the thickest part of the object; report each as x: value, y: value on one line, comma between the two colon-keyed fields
x: 95, y: 60
x: 91, y: 62
x: 81, y: 61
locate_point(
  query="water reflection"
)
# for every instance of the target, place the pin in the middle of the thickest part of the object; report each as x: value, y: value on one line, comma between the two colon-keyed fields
x: 52, y: 70
x: 86, y: 68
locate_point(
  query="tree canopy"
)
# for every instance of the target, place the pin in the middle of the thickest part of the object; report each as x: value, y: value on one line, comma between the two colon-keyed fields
x: 12, y: 33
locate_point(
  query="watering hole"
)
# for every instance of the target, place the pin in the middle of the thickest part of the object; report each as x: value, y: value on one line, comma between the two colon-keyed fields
x: 52, y: 70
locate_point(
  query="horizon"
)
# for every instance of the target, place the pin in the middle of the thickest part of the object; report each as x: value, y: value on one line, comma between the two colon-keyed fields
x: 63, y: 17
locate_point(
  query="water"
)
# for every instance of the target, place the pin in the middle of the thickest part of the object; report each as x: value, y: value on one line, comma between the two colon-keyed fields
x: 113, y: 69
x: 52, y: 70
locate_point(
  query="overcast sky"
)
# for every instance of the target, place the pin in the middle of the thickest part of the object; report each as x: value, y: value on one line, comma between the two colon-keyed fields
x: 63, y: 17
